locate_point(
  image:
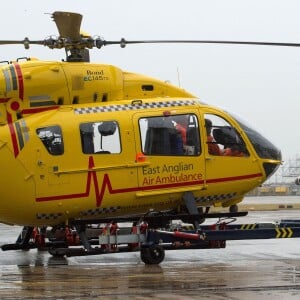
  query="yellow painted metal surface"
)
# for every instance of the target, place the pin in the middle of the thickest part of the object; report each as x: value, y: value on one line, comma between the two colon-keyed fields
x: 31, y: 86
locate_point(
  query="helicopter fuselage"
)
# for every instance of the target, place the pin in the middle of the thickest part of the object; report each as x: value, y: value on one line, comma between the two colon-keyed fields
x: 99, y: 160
x: 30, y: 86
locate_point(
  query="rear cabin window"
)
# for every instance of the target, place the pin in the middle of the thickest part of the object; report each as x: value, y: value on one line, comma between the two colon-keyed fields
x: 171, y: 135
x: 100, y: 137
x: 51, y: 136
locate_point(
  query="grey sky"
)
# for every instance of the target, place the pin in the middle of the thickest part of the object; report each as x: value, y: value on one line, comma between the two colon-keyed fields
x: 260, y: 84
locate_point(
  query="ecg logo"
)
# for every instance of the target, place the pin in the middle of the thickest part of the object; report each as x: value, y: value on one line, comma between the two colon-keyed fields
x: 91, y: 179
x: 91, y: 175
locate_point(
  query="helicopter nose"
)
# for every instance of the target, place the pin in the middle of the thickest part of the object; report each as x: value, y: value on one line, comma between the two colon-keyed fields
x: 271, y: 167
x: 269, y: 154
x: 16, y: 184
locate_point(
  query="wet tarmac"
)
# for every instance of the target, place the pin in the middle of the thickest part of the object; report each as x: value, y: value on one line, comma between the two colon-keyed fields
x: 261, y: 269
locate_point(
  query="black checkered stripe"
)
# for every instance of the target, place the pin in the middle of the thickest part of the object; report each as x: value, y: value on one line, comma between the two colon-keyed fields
x: 214, y: 198
x: 136, y: 106
x: 99, y: 211
x: 53, y: 216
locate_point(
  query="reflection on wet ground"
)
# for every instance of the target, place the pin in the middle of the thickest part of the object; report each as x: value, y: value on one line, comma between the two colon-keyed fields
x: 264, y: 269
x: 172, y: 279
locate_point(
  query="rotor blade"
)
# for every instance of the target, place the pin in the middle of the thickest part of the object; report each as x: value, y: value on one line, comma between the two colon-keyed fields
x: 26, y: 43
x: 124, y: 42
x: 11, y: 42
x: 68, y: 24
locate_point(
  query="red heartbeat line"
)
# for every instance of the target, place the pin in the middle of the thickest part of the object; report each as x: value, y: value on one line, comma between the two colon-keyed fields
x: 91, y: 176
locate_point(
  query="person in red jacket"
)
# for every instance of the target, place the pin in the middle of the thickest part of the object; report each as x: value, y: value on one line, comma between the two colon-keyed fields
x: 181, y: 124
x: 213, y: 147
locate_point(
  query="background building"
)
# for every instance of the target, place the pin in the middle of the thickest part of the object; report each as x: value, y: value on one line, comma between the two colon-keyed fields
x: 282, y: 183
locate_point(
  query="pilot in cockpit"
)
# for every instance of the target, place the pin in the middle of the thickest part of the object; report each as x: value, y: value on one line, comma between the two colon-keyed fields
x: 213, y: 147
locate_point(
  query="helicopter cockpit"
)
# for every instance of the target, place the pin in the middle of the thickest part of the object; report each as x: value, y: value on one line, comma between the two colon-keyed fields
x: 179, y: 135
x: 263, y: 147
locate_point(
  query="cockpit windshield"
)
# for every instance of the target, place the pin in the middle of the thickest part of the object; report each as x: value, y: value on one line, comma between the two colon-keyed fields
x: 263, y: 147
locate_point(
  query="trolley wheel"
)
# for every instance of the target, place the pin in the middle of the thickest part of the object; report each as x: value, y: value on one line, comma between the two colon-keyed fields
x: 233, y: 208
x: 57, y: 252
x: 152, y: 255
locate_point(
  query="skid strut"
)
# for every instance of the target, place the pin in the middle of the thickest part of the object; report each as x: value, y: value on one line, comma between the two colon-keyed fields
x: 191, y: 206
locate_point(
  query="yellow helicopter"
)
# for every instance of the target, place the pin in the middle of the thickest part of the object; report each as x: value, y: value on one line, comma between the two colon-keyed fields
x: 109, y: 159
x: 114, y: 162
x: 86, y: 143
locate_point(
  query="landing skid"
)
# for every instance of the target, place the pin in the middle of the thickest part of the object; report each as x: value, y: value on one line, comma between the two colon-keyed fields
x: 85, y: 232
x: 85, y: 239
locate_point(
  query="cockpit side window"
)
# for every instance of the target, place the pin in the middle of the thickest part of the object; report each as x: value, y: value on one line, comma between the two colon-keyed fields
x: 222, y: 138
x: 51, y: 136
x: 100, y: 137
x: 170, y: 135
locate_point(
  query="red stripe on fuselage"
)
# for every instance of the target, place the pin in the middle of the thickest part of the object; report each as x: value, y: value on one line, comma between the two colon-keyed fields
x: 12, y: 133
x: 20, y: 81
x: 106, y: 184
x: 29, y: 111
x: 4, y: 100
x: 234, y: 178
